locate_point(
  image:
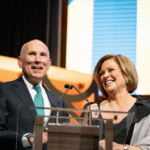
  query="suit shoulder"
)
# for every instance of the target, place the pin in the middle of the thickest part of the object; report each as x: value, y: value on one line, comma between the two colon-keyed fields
x: 9, y: 83
x: 4, y: 85
x: 95, y: 102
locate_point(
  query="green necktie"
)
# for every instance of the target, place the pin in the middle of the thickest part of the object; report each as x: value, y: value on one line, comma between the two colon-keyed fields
x: 38, y: 100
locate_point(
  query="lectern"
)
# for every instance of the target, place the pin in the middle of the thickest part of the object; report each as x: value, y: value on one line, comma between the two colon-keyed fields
x: 75, y: 133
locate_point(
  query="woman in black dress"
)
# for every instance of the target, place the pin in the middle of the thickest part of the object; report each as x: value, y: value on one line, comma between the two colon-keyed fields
x: 116, y: 78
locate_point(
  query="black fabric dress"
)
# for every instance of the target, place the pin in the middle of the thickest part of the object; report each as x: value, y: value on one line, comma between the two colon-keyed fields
x: 141, y: 108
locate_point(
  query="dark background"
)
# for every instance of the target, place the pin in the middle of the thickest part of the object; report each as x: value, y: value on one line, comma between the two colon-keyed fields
x: 25, y: 20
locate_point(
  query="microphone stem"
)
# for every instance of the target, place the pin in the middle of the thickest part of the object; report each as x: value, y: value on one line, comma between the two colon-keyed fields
x: 89, y: 120
x: 89, y: 114
x: 57, y: 113
x: 83, y: 96
x: 62, y: 96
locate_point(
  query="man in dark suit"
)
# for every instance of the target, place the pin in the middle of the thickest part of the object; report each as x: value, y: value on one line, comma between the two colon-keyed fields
x: 35, y: 62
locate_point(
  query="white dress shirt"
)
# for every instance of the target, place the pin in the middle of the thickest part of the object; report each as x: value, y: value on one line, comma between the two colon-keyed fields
x: 47, y: 104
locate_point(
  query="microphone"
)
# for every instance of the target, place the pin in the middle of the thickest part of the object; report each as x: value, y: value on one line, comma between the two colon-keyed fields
x: 68, y: 88
x: 89, y: 114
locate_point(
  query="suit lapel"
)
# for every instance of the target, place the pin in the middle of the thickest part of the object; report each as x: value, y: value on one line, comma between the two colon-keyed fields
x: 21, y: 90
x: 53, y: 101
x: 51, y: 98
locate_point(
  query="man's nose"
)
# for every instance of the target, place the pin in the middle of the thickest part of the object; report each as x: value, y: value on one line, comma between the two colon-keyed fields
x: 38, y: 58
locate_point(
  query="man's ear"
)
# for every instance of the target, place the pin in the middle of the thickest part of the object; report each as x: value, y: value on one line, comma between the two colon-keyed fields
x: 19, y: 61
x: 49, y: 64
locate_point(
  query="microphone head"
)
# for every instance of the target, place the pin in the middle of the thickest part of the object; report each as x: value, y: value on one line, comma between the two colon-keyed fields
x: 68, y: 86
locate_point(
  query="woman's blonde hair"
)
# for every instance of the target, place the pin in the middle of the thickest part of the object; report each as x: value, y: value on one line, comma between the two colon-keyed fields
x: 127, y: 68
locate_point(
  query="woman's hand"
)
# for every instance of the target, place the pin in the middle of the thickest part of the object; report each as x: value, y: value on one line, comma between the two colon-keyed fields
x: 117, y: 146
x: 94, y: 115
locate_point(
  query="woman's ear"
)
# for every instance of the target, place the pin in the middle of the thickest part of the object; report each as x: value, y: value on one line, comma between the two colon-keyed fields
x: 126, y: 80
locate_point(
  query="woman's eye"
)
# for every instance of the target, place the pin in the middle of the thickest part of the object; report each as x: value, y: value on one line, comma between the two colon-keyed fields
x: 111, y: 69
x: 101, y: 73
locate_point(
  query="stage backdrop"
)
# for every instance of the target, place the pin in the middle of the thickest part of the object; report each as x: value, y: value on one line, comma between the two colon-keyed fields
x: 100, y: 27
x: 55, y: 80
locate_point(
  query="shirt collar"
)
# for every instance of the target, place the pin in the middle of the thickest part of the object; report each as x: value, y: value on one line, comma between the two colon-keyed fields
x: 28, y: 84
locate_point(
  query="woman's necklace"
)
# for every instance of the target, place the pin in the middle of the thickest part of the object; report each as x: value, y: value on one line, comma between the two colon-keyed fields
x: 116, y: 117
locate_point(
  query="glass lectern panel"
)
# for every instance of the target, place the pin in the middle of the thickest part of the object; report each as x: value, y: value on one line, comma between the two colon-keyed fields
x: 70, y: 129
